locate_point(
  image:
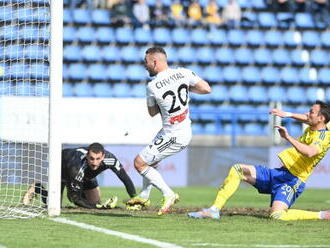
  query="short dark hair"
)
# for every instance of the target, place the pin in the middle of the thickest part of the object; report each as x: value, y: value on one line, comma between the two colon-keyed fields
x: 153, y: 50
x: 96, y: 148
x: 324, y: 110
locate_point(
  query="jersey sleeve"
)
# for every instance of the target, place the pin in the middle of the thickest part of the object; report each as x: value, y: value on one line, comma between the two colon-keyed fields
x: 193, y: 78
x: 151, y: 101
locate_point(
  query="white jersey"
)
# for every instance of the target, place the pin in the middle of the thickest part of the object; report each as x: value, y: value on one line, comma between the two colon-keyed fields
x: 170, y: 91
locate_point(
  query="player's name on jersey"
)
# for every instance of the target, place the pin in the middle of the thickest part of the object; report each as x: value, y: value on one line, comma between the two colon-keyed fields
x: 168, y: 80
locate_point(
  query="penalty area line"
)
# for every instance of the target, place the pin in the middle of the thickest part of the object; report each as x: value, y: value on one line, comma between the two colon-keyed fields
x: 259, y: 245
x: 116, y: 233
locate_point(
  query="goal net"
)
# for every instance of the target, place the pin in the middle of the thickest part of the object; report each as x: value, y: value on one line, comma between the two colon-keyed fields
x: 24, y: 105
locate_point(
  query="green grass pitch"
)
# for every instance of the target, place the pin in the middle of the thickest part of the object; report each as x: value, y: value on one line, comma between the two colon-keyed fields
x: 243, y: 224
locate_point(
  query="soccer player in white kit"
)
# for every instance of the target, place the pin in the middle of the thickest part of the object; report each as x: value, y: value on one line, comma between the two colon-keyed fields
x: 167, y: 94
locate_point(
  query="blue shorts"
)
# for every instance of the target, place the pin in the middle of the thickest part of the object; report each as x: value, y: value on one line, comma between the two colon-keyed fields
x: 279, y: 183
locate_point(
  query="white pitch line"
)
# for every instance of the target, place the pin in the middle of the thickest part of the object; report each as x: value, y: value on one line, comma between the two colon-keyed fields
x: 116, y: 233
x: 259, y: 245
x: 1, y: 246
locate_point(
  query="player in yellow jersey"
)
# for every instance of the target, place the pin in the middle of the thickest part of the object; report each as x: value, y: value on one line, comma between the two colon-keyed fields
x: 284, y: 184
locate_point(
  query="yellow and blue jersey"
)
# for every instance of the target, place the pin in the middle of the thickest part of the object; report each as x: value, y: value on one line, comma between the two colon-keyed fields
x: 300, y: 165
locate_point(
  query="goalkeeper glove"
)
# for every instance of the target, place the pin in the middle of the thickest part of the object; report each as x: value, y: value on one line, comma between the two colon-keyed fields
x: 108, y: 204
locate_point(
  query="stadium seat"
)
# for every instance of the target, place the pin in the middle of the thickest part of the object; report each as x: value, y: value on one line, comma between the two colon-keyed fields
x: 162, y: 36
x: 311, y: 39
x: 304, y: 20
x: 263, y: 111
x: 12, y: 52
x: 212, y: 74
x: 197, y: 70
x: 259, y: 4
x: 187, y: 55
x: 199, y: 37
x: 65, y: 72
x: 95, y: 72
x: 327, y: 95
x: 267, y: 20
x: 319, y: 57
x: 136, y: 73
x: 24, y: 15
x: 249, y: 19
x: 121, y: 90
x: 253, y: 129
x: 308, y: 75
x: 172, y: 54
x: 110, y: 53
x: 138, y: 90
x: 277, y: 94
x: 28, y: 33
x: 294, y: 95
x: 289, y: 75
x: 255, y: 38
x: 83, y: 90
x: 299, y: 57
x: 273, y: 38
x: 68, y: 89
x: 236, y: 37
x: 36, y: 52
x: 72, y: 53
x: 205, y: 55
x: 251, y: 75
x: 180, y: 36
x: 324, y: 76
x: 142, y: 36
x: 207, y: 112
x: 67, y: 16
x: 39, y: 71
x: 217, y: 37
x: 124, y: 35
x: 231, y: 74
x: 262, y: 56
x: 281, y: 57
x: 101, y: 17
x: 284, y: 19
x: 243, y: 56
x: 9, y: 33
x: 102, y: 90
x: 197, y: 128
x: 116, y: 72
x: 257, y: 94
x: 24, y: 89
x: 81, y: 16
x: 69, y: 34
x: 105, y: 35
x: 91, y: 53
x: 270, y: 75
x: 129, y: 54
x: 314, y: 93
x: 86, y: 34
x: 219, y: 93
x: 245, y: 112
x: 224, y: 55
x: 294, y: 129
x: 77, y: 71
x: 210, y: 129
x: 292, y: 38
x: 325, y: 39
x: 238, y: 93
x: 6, y: 13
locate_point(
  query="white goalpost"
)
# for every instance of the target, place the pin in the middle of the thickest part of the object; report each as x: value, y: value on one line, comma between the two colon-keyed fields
x: 30, y: 97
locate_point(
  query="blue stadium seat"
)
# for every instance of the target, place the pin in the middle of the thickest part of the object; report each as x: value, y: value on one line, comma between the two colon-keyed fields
x: 264, y: 109
x: 121, y: 90
x: 72, y: 53
x: 39, y: 71
x: 299, y: 57
x: 251, y: 75
x: 67, y: 16
x: 13, y: 52
x: 36, y: 52
x: 95, y: 72
x: 262, y: 56
x: 314, y: 93
x: 204, y: 114
x: 325, y: 39
x: 180, y: 36
x: 65, y: 72
x: 319, y: 57
x: 257, y: 94
x: 24, y: 89
x: 259, y: 4
x: 68, y: 89
x: 267, y: 20
x: 249, y: 19
x: 199, y: 37
x: 236, y: 37
x: 243, y: 56
x: 77, y: 71
x: 238, y: 93
x: 292, y: 38
x: 205, y: 55
x: 253, y: 129
x: 187, y: 55
x: 105, y: 35
x: 308, y: 75
x: 284, y: 19
x: 231, y: 74
x: 101, y: 17
x: 294, y: 95
x: 246, y: 112
x: 17, y: 70
x: 294, y: 129
x: 124, y: 35
x: 41, y: 15
x: 129, y: 54
x: 304, y: 20
x: 210, y: 129
x: 172, y: 54
x: 81, y: 16
x: 86, y: 34
x: 197, y: 70
x: 281, y: 57
x: 327, y: 95
x: 289, y: 75
x: 142, y: 36
x: 277, y: 94
x: 6, y: 13
x: 311, y: 39
x: 83, y: 90
x: 136, y: 73
x: 217, y: 37
x: 23, y: 14
x: 324, y: 76
x: 9, y: 33
x: 162, y: 36
x: 69, y: 34
x: 102, y: 90
x: 197, y: 128
x: 28, y: 33
x: 116, y: 72
x: 138, y: 90
x: 270, y: 75
x: 219, y: 93
x: 273, y: 38
x: 224, y: 55
x: 91, y: 53
x: 212, y: 74
x: 255, y: 38
x: 110, y: 53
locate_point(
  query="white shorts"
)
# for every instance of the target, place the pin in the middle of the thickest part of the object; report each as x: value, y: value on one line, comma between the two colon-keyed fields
x: 163, y: 146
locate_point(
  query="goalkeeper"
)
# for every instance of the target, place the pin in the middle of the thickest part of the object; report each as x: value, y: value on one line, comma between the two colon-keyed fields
x: 80, y: 166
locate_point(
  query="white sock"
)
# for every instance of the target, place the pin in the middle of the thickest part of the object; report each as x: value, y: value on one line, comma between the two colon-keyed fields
x: 146, y: 189
x: 157, y: 180
x: 214, y: 208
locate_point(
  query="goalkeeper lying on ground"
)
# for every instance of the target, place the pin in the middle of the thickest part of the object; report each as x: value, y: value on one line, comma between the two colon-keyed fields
x: 80, y: 166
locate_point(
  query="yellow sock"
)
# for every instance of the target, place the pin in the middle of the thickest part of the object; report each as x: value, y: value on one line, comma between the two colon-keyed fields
x: 295, y: 214
x: 229, y: 186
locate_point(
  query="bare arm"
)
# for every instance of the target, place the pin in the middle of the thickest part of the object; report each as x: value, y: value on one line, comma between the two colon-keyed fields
x: 307, y: 150
x: 153, y: 110
x: 201, y: 87
x: 283, y: 114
